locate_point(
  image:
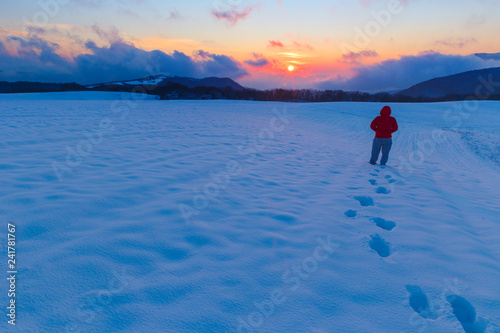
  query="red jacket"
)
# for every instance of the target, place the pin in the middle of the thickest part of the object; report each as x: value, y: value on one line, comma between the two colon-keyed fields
x: 384, y: 125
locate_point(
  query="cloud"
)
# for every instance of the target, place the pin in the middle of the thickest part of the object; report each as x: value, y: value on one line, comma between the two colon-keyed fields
x: 398, y: 74
x: 36, y: 30
x: 294, y: 44
x: 355, y: 57
x: 131, y: 13
x: 219, y: 65
x: 111, y: 36
x: 369, y: 3
x: 32, y: 58
x: 456, y: 42
x: 37, y: 60
x: 232, y: 14
x: 276, y: 43
x: 174, y: 15
x: 475, y: 21
x: 359, y: 55
x: 89, y: 3
x: 302, y: 45
x: 258, y: 61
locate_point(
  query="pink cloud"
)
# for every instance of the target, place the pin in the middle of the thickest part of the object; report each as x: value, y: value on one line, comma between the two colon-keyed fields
x: 302, y: 45
x: 276, y: 43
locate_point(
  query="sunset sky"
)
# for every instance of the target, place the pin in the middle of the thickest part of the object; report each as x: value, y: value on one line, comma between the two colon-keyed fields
x: 367, y: 45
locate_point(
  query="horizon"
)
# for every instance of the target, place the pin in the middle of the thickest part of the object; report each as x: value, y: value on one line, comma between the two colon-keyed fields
x: 96, y: 84
x: 366, y: 45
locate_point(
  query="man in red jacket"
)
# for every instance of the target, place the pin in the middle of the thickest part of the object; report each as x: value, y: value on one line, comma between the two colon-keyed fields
x: 383, y: 125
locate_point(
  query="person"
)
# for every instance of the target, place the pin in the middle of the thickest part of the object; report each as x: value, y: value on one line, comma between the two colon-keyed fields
x: 383, y: 125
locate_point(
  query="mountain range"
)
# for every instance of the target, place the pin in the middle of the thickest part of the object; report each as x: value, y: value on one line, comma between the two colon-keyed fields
x: 471, y: 83
x: 162, y: 80
x: 483, y: 82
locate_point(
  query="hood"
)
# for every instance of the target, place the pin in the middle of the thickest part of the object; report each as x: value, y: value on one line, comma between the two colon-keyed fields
x: 386, y: 111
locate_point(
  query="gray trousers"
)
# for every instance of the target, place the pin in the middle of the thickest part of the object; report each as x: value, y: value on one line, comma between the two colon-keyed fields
x: 381, y: 144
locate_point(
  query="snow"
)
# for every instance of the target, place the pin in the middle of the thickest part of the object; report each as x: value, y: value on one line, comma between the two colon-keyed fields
x: 135, y: 82
x: 152, y: 81
x: 74, y: 96
x: 296, y: 232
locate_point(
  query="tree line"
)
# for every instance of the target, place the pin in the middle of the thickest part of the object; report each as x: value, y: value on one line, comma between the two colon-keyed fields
x: 175, y: 91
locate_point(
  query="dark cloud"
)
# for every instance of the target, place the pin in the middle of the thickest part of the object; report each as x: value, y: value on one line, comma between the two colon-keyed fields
x: 220, y: 65
x: 398, y: 74
x: 276, y: 43
x: 37, y: 60
x: 258, y: 61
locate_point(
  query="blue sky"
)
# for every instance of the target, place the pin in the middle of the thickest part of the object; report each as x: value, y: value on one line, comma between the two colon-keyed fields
x: 391, y: 44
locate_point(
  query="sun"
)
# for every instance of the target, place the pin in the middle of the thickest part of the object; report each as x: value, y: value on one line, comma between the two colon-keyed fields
x: 291, y: 68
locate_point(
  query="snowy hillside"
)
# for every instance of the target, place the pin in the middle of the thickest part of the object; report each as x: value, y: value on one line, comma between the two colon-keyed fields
x: 137, y: 215
x: 151, y: 80
x: 189, y: 82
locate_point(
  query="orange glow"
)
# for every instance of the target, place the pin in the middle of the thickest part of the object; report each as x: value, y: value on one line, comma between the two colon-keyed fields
x: 291, y: 68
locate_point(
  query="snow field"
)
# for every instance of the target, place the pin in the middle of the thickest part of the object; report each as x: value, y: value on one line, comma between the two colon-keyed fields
x: 227, y: 216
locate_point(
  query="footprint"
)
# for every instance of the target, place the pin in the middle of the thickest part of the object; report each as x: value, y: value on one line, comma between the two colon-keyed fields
x: 350, y: 213
x: 365, y: 201
x: 373, y: 181
x: 384, y: 224
x: 379, y: 245
x: 466, y: 314
x: 382, y: 190
x: 373, y: 174
x: 388, y: 176
x: 419, y: 302
x: 392, y: 181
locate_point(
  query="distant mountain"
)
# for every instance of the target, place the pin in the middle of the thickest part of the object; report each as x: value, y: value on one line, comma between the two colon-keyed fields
x: 162, y: 80
x: 462, y: 84
x: 215, y: 82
